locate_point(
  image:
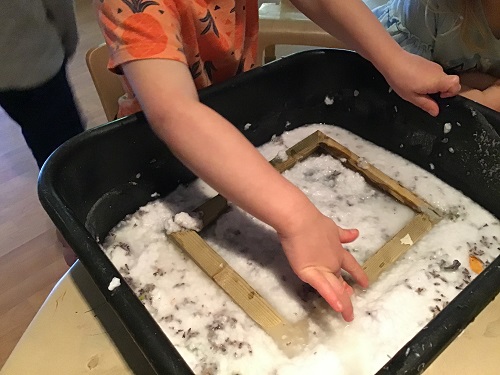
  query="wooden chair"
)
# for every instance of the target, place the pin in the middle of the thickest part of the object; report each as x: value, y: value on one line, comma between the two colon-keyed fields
x: 107, y: 84
x: 283, y: 24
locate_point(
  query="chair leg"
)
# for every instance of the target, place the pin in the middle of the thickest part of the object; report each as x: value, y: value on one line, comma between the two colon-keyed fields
x: 260, y: 56
x: 270, y: 53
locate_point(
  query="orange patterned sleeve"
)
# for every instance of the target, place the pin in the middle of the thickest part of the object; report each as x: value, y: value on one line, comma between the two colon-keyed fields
x: 140, y: 29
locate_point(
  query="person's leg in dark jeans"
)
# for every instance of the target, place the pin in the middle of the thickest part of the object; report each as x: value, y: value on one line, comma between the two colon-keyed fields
x: 47, y: 114
x: 48, y: 117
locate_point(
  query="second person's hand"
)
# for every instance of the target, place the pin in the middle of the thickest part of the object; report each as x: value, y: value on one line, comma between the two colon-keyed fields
x: 414, y: 78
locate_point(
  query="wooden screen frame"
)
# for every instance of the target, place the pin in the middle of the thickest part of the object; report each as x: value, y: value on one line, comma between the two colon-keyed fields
x: 291, y: 337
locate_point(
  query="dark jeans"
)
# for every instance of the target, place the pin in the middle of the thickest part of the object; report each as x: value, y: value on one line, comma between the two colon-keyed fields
x: 47, y: 114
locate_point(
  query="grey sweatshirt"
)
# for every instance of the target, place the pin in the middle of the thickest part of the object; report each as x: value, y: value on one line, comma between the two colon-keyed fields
x: 35, y: 37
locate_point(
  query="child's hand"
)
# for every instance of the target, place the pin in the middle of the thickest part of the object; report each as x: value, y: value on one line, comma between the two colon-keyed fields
x: 314, y: 250
x: 414, y: 78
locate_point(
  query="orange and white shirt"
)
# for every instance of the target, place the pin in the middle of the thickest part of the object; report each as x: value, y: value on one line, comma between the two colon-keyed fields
x: 216, y: 39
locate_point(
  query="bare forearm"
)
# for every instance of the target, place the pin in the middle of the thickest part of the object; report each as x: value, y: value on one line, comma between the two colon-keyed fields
x: 210, y: 146
x: 219, y: 154
x: 362, y: 32
x: 355, y: 25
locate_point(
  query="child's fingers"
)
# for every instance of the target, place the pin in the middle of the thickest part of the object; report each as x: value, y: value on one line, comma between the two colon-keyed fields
x: 426, y: 103
x: 342, y: 294
x: 449, y: 94
x: 446, y: 95
x: 450, y: 86
x: 347, y: 235
x: 355, y: 270
x: 331, y: 289
x: 347, y: 288
x: 447, y: 87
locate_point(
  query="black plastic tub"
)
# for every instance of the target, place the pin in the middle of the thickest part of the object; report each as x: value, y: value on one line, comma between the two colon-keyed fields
x: 85, y: 186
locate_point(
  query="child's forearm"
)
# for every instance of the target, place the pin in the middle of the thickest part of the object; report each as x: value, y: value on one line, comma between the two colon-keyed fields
x: 412, y: 77
x: 219, y: 154
x: 211, y: 147
x: 353, y: 23
x: 489, y: 97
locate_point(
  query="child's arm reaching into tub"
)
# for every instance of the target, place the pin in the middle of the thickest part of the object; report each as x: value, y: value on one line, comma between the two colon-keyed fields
x: 214, y: 150
x: 411, y: 76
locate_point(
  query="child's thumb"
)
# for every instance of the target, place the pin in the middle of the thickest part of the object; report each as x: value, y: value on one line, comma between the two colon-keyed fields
x: 348, y: 235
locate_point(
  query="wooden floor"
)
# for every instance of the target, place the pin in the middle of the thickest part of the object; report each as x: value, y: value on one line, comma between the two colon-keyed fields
x: 30, y: 256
